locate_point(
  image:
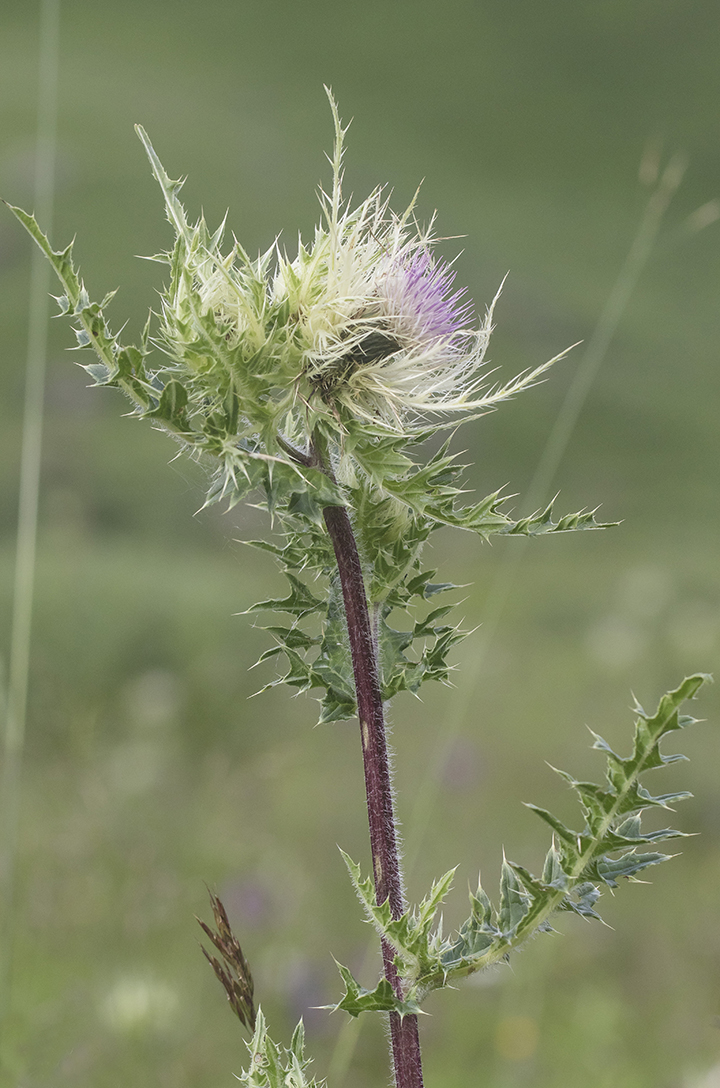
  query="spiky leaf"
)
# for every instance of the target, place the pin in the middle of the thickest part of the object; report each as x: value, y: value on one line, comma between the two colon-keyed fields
x: 274, y: 1066
x: 577, y: 866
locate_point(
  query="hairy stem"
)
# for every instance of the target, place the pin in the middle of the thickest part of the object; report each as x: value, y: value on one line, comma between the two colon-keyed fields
x: 378, y: 790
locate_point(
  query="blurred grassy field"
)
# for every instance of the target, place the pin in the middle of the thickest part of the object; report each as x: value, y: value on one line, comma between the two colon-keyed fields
x: 148, y: 773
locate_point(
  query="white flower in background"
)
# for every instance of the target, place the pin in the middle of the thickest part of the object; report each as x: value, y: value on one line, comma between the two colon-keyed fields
x: 134, y: 1003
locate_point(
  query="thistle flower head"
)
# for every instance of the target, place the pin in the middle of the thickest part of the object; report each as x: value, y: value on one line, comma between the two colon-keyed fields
x: 385, y: 335
x: 364, y: 325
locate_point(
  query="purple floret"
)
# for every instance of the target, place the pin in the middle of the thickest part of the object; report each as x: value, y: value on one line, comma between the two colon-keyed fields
x: 419, y: 296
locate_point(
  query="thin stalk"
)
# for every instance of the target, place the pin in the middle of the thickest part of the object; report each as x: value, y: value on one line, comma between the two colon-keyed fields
x: 23, y: 590
x: 378, y: 790
x: 362, y: 634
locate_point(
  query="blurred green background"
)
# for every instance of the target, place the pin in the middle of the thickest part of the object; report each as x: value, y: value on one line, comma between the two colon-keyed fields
x: 148, y: 773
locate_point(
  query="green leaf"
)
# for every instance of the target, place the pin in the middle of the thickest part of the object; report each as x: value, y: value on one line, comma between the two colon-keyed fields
x: 577, y: 865
x: 514, y: 901
x: 609, y: 870
x: 170, y: 189
x: 300, y: 601
x: 557, y: 825
x: 272, y: 1066
x: 172, y: 407
x: 61, y: 260
x: 357, y: 999
x: 541, y: 522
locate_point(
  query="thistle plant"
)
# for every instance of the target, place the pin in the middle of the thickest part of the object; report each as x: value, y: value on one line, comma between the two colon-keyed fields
x: 324, y: 388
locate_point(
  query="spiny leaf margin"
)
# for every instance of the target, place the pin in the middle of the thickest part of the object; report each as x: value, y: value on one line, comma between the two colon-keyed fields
x: 272, y: 1065
x: 578, y: 864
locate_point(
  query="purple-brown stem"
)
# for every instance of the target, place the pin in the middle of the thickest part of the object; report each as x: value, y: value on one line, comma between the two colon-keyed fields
x: 383, y: 840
